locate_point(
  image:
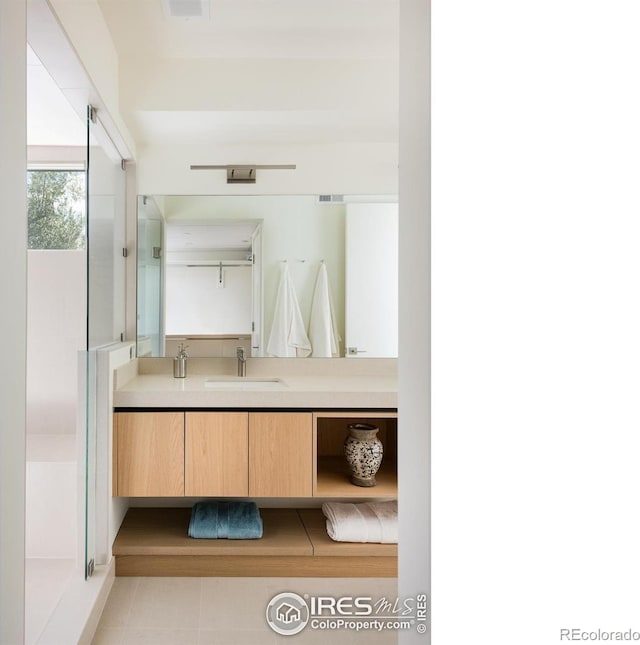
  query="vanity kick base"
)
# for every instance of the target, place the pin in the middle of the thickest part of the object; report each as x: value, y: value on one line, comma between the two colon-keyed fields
x: 154, y: 542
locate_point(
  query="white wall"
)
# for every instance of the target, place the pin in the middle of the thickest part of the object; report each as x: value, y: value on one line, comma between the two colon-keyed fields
x: 198, y: 306
x: 56, y: 332
x: 414, y: 369
x: 344, y: 168
x: 13, y: 285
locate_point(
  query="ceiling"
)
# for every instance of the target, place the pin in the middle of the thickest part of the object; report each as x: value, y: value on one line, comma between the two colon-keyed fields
x: 284, y: 29
x: 258, y: 71
x: 51, y: 121
x: 221, y: 235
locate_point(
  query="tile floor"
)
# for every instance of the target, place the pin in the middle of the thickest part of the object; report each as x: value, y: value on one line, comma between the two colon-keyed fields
x: 224, y: 611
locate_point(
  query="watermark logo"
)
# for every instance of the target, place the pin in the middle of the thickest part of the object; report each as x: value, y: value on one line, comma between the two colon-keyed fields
x: 287, y: 614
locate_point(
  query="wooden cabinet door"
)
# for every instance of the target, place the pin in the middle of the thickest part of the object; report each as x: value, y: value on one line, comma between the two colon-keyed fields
x: 150, y: 454
x: 217, y: 454
x: 280, y: 454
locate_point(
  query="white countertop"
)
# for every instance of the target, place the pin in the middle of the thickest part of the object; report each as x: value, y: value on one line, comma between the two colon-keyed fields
x: 297, y: 391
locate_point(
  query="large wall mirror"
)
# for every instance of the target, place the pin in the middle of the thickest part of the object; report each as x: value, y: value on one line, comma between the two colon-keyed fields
x: 280, y: 275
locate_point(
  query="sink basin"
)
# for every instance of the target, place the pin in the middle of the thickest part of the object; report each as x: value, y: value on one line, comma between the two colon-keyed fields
x: 244, y: 383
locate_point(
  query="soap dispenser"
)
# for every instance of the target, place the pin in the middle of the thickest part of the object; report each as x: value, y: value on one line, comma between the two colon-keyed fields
x: 180, y: 362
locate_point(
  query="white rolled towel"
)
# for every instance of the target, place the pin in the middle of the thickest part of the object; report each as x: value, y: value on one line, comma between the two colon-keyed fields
x: 367, y: 522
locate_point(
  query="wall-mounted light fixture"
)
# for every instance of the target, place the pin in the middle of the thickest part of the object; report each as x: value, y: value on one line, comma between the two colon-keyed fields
x: 241, y: 173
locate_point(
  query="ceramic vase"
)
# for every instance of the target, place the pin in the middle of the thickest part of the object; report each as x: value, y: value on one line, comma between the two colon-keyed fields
x: 363, y: 451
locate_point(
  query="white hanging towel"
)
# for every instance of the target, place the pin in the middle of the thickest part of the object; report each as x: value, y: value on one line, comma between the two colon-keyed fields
x: 323, y: 330
x: 288, y: 336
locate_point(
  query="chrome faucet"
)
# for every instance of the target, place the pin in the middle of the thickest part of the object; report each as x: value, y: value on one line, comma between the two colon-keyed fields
x: 242, y: 361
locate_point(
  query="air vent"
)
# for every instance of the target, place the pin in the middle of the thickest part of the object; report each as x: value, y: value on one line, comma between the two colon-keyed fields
x: 186, y: 8
x: 328, y: 199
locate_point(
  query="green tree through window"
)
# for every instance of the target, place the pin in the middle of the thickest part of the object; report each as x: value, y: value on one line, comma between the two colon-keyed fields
x: 56, y: 209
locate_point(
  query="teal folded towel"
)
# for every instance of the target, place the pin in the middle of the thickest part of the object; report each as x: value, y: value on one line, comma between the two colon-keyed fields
x: 230, y: 520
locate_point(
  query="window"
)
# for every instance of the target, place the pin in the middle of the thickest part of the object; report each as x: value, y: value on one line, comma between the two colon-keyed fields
x: 56, y: 209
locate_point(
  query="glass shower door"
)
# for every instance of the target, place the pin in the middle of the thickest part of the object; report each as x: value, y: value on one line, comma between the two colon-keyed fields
x: 105, y: 295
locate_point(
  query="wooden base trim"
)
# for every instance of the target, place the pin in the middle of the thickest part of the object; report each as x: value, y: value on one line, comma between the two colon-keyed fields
x: 256, y: 566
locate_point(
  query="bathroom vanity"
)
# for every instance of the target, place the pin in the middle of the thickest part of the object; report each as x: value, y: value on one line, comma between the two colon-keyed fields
x: 276, y: 440
x: 240, y: 453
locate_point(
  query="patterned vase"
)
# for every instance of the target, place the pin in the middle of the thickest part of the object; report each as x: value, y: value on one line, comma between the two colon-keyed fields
x: 363, y: 451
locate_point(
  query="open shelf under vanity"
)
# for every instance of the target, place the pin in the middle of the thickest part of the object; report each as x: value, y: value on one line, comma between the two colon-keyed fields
x: 154, y: 542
